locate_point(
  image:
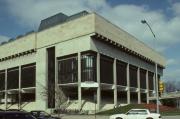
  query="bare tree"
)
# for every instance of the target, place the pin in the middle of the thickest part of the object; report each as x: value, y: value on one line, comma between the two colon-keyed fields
x: 56, y: 97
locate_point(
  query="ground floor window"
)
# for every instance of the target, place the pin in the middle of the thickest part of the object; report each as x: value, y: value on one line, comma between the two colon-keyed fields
x: 27, y: 97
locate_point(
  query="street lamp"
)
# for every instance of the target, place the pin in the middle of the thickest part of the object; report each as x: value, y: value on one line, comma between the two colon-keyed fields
x: 157, y: 95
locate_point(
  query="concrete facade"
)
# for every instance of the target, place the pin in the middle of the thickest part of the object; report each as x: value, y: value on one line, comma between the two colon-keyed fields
x: 88, y: 33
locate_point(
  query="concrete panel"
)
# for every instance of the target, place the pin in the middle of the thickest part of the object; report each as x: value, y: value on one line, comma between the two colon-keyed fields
x: 73, y: 46
x: 26, y: 59
x: 120, y: 36
x: 41, y: 79
x: 67, y: 31
x: 19, y: 45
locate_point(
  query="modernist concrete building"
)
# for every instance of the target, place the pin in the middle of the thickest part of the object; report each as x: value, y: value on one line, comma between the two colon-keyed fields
x: 85, y: 56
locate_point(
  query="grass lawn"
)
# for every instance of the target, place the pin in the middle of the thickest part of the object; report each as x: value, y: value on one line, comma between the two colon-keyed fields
x: 126, y: 108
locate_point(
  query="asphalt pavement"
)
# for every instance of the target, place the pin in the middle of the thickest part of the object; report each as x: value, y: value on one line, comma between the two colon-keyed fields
x: 104, y: 117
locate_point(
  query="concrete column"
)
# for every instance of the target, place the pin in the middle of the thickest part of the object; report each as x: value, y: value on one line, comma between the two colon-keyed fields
x: 154, y: 84
x: 79, y: 82
x: 128, y: 85
x: 115, y: 82
x: 147, y: 87
x: 6, y: 93
x: 19, y: 92
x: 41, y: 79
x: 138, y: 82
x: 56, y: 83
x: 99, y: 82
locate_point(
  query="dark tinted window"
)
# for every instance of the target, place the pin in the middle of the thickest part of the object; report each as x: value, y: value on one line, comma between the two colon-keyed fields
x: 19, y: 116
x: 121, y: 73
x: 13, y: 76
x: 28, y: 75
x: 88, y: 67
x: 133, y: 76
x: 151, y: 81
x: 67, y: 70
x: 106, y: 69
x: 2, y: 81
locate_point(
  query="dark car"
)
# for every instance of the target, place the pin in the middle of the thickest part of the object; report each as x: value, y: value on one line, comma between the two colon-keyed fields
x: 15, y: 115
x: 42, y: 115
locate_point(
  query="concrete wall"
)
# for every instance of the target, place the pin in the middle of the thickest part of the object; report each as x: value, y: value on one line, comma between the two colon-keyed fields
x: 18, y: 61
x: 41, y: 79
x: 73, y: 46
x: 17, y: 46
x: 67, y: 31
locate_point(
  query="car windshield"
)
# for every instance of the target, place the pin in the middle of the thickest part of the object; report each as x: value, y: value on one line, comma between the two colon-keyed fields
x: 140, y: 112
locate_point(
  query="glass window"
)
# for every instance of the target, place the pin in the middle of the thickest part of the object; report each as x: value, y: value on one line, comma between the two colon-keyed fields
x: 133, y: 112
x: 28, y: 75
x: 13, y: 76
x: 88, y: 67
x: 67, y: 70
x: 106, y: 70
x: 143, y: 79
x: 121, y: 73
x: 151, y: 81
x: 2, y: 81
x: 133, y: 76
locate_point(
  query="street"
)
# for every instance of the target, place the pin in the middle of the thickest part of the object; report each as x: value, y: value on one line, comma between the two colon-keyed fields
x: 104, y: 117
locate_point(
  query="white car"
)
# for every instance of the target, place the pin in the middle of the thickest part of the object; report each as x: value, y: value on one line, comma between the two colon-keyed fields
x: 137, y: 114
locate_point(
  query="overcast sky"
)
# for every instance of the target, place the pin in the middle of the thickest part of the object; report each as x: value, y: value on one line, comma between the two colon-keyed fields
x: 20, y: 16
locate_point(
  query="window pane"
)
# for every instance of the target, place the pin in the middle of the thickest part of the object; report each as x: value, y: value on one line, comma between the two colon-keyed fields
x: 143, y: 79
x: 88, y: 67
x: 13, y: 78
x: 28, y: 76
x: 151, y: 81
x: 2, y: 81
x: 67, y: 70
x: 106, y: 70
x: 133, y: 76
x: 121, y: 74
